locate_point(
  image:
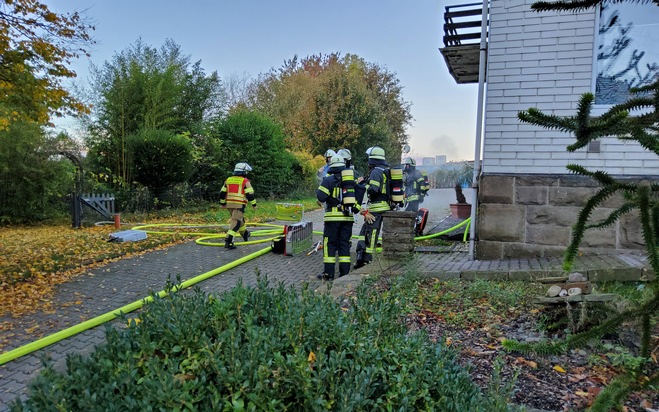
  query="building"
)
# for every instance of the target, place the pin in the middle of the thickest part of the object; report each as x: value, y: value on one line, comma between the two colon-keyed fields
x: 527, y: 200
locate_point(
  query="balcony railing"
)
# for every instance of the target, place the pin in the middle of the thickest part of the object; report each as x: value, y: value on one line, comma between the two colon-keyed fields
x: 462, y: 33
x: 462, y: 24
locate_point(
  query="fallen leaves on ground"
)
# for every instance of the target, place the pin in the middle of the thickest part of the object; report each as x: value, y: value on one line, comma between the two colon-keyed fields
x: 35, y: 259
x: 473, y: 318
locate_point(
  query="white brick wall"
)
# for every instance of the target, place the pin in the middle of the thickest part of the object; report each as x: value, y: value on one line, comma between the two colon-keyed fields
x: 544, y: 60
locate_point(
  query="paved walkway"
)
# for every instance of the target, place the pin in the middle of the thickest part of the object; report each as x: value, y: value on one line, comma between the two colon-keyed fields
x: 116, y: 284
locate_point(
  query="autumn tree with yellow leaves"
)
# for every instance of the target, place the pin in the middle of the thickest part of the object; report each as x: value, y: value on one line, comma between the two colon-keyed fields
x: 36, y: 48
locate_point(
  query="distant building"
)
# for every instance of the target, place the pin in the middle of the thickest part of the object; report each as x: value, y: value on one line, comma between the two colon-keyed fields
x: 440, y: 160
x: 428, y: 161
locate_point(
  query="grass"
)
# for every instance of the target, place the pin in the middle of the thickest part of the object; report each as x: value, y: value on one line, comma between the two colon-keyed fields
x: 474, y: 304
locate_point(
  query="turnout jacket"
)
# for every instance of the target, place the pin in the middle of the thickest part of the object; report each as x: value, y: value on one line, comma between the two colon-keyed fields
x: 237, y: 191
x: 377, y: 189
x: 330, y: 192
x: 414, y: 184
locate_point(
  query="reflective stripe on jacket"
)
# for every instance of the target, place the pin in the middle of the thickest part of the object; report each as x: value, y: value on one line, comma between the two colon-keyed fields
x: 330, y: 193
x: 237, y: 190
x: 378, y: 190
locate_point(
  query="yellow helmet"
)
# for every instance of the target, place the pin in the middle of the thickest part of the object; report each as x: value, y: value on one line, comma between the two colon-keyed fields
x: 375, y: 152
x: 337, y: 161
x: 409, y: 161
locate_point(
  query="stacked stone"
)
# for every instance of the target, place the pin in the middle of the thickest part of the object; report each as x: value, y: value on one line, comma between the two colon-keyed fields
x: 397, y: 234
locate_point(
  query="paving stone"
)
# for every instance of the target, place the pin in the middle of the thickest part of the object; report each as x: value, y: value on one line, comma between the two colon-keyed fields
x: 105, y: 289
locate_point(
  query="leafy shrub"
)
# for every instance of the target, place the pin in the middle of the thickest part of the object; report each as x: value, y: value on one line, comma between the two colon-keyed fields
x: 160, y: 158
x: 262, y: 348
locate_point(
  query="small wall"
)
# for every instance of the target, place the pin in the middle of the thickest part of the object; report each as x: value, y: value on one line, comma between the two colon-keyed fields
x: 397, y: 234
x: 532, y: 216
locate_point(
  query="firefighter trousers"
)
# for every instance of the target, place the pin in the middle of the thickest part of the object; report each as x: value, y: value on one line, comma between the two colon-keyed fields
x: 336, y: 239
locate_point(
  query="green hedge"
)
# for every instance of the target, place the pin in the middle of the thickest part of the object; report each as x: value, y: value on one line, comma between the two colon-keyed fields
x: 253, y: 349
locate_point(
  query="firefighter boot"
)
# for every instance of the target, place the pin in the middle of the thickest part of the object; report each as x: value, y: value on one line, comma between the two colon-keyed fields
x: 245, y: 235
x: 228, y: 243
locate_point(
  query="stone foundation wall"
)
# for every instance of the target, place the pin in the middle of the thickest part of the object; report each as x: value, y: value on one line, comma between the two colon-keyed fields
x: 523, y: 216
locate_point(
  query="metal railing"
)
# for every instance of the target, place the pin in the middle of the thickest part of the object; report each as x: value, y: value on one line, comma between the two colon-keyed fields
x: 462, y: 24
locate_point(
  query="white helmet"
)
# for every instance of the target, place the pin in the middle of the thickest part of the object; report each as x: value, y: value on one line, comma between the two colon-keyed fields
x: 336, y: 161
x: 329, y: 153
x: 345, y: 154
x: 242, y: 167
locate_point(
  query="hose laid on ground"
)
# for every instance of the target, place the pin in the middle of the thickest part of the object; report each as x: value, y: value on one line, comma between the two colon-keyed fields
x: 88, y: 324
x: 466, y: 222
x: 206, y: 237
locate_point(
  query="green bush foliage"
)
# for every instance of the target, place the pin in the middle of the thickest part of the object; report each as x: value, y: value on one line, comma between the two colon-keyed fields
x: 262, y: 348
x: 160, y: 158
x: 252, y: 137
x: 34, y: 179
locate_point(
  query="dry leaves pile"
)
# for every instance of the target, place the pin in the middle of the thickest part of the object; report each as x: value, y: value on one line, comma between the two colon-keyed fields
x: 35, y: 259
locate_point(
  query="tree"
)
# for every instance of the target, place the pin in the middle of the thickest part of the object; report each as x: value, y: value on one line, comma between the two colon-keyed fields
x: 160, y: 159
x: 639, y: 197
x: 332, y: 102
x: 36, y: 46
x: 34, y: 179
x: 249, y: 136
x: 146, y: 88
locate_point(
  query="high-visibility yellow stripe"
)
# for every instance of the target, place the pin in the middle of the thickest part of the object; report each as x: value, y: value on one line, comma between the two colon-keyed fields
x: 324, y: 190
x: 329, y: 259
x: 344, y: 259
x: 379, y: 207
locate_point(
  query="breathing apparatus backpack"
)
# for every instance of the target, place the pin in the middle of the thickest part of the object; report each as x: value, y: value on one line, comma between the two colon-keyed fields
x: 426, y: 183
x: 396, y: 189
x: 348, y: 198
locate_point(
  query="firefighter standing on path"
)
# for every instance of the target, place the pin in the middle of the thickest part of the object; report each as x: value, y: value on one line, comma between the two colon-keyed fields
x: 335, y: 193
x: 414, y: 184
x: 235, y: 194
x: 377, y: 192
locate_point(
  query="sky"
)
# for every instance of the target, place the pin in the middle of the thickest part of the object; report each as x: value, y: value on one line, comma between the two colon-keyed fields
x: 248, y: 37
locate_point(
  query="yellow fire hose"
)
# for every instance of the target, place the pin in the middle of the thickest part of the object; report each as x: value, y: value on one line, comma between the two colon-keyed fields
x: 88, y: 324
x: 204, y: 240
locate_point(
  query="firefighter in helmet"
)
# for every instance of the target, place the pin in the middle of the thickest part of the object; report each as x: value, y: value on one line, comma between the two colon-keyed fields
x: 347, y: 158
x: 236, y: 193
x: 322, y: 172
x: 340, y: 205
x: 377, y: 193
x: 414, y: 183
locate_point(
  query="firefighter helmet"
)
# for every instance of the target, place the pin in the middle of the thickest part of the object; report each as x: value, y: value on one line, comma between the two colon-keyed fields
x: 375, y: 152
x: 345, y: 154
x: 329, y: 153
x: 409, y: 161
x: 242, y: 167
x: 337, y: 161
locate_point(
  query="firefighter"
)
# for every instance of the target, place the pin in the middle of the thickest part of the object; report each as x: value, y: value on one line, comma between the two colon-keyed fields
x: 347, y: 158
x: 338, y: 220
x: 414, y: 183
x: 235, y: 194
x: 377, y: 194
x: 322, y: 172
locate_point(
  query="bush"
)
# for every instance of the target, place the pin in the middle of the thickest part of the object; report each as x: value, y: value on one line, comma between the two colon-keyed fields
x: 262, y: 348
x: 160, y: 159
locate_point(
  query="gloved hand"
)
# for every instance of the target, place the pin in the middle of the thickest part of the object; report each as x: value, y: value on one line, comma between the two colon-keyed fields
x: 254, y: 207
x: 369, y: 218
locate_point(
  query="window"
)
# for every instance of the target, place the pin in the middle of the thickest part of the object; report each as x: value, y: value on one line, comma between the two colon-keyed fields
x: 627, y: 51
